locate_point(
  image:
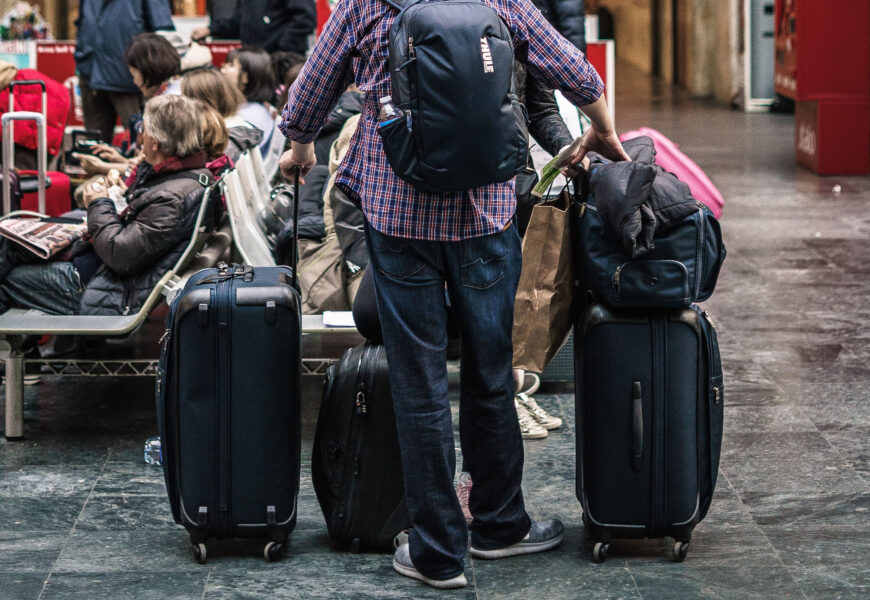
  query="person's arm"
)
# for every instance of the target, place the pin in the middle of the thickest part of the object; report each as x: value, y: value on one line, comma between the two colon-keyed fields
x: 560, y: 64
x: 324, y: 77
x: 157, y: 16
x: 546, y: 124
x: 128, y: 248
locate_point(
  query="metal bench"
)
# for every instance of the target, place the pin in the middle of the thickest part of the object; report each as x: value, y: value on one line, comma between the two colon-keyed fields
x: 203, y: 250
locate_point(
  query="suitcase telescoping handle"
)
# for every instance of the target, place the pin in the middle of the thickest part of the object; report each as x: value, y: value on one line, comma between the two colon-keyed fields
x: 9, y: 155
x: 41, y: 84
x: 636, y: 426
x: 8, y: 124
x: 296, y: 226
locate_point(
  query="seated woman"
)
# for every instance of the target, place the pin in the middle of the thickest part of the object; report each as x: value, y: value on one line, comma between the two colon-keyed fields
x: 134, y: 248
x: 153, y: 63
x: 211, y: 87
x: 250, y: 70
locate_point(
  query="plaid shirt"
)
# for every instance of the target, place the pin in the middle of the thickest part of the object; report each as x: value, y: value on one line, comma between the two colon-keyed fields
x: 355, y: 40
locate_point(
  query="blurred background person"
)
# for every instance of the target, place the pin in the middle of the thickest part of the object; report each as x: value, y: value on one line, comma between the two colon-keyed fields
x: 104, y: 32
x: 272, y: 25
x: 211, y: 87
x: 568, y: 17
x: 250, y: 70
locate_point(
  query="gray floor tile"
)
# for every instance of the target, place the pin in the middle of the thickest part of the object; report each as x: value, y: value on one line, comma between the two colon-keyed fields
x: 54, y: 480
x: 791, y: 476
x: 154, y: 551
x: 46, y: 513
x: 30, y: 551
x: 19, y: 585
x: 126, y: 512
x: 810, y: 511
x: 776, y: 445
x: 693, y: 579
x: 766, y: 419
x: 131, y: 585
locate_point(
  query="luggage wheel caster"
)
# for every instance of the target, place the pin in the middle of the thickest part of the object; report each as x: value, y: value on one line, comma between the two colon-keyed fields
x: 681, y: 549
x: 599, y: 552
x: 199, y: 553
x: 272, y: 551
x: 355, y: 546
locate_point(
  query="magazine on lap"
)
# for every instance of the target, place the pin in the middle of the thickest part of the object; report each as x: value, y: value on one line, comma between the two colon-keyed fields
x: 43, y: 237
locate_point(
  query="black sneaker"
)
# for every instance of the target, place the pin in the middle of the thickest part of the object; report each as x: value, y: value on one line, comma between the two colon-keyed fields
x: 542, y: 536
x: 403, y: 566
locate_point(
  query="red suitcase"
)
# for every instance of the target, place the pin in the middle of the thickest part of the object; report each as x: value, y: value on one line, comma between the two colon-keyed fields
x: 51, y: 197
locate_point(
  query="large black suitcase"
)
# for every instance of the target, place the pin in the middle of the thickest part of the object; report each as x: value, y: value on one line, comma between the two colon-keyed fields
x: 356, y: 466
x: 228, y: 405
x: 228, y: 391
x: 649, y: 400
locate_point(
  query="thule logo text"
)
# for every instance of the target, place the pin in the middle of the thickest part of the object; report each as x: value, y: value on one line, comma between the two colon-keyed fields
x: 488, y: 67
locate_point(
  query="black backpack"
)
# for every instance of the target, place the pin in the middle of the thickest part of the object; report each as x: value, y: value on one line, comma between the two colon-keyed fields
x: 451, y: 72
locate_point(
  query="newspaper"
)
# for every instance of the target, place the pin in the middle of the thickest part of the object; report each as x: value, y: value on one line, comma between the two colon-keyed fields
x: 43, y: 237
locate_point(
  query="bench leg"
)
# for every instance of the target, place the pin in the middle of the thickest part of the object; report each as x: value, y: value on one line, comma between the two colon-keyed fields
x: 14, y: 389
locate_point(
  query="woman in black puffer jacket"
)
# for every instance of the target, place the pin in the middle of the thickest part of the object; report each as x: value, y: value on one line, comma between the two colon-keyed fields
x: 130, y: 249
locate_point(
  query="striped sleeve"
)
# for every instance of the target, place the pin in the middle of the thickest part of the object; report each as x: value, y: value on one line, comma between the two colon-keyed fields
x: 324, y: 77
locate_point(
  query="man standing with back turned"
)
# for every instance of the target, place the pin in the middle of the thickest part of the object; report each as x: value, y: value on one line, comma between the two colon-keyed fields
x: 418, y: 242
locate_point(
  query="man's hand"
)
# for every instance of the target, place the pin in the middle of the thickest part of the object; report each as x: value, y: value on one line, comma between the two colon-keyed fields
x: 299, y: 155
x: 108, y: 153
x: 606, y: 144
x: 91, y: 164
x: 94, y: 190
x: 200, y: 33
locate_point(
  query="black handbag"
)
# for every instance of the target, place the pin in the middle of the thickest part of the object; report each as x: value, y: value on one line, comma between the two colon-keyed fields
x: 680, y: 269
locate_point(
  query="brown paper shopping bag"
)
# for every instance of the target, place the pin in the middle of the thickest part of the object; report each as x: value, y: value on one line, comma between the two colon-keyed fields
x: 542, y: 311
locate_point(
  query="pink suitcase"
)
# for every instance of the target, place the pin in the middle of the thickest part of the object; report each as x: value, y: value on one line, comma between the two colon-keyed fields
x: 671, y: 158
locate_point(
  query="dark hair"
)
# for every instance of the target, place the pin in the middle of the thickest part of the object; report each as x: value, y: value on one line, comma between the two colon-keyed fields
x: 283, y: 62
x: 257, y: 65
x: 212, y: 87
x: 154, y: 57
x: 291, y: 76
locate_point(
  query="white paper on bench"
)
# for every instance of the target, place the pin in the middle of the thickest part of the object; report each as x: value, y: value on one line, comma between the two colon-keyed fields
x: 334, y: 318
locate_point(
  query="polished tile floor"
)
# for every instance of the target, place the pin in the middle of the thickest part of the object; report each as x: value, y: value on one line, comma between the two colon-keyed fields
x: 81, y: 516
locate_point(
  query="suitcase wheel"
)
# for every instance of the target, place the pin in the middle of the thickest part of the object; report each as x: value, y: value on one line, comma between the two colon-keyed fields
x: 599, y: 552
x: 272, y: 551
x: 199, y: 553
x: 681, y: 549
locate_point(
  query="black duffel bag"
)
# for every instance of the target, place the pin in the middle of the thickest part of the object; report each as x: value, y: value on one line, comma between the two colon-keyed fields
x: 680, y: 269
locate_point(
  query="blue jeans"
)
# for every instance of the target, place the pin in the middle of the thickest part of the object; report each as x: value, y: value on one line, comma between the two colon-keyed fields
x: 481, y: 275
x: 26, y: 280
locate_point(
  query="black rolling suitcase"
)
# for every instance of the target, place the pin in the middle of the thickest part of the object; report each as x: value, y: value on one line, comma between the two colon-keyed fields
x: 356, y: 466
x: 228, y: 405
x: 649, y: 396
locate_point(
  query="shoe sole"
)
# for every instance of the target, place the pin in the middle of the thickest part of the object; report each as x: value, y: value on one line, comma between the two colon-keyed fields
x: 516, y: 549
x: 442, y: 584
x: 551, y: 426
x: 535, y: 436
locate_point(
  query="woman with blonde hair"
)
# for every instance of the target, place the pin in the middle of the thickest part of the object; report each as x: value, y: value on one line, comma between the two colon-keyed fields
x: 211, y: 87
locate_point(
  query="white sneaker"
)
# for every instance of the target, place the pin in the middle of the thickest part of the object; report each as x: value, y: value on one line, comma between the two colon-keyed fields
x: 541, y: 417
x: 529, y: 428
